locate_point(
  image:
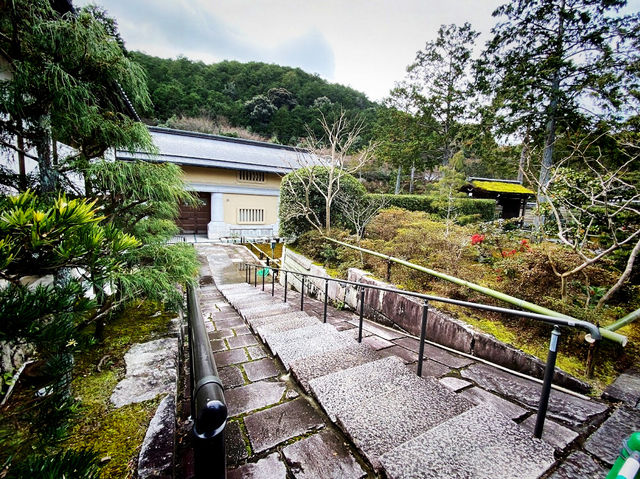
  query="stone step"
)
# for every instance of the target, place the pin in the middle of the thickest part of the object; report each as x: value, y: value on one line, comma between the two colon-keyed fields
x: 480, y: 443
x: 255, y: 323
x: 313, y: 367
x: 281, y: 325
x: 383, y: 421
x: 342, y: 391
x: 265, y: 310
x: 305, y: 342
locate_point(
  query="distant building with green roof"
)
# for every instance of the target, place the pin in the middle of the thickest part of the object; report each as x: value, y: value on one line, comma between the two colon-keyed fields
x: 510, y: 195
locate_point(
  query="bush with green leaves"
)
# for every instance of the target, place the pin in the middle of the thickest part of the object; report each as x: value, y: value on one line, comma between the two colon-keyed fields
x: 475, y: 209
x: 302, y: 205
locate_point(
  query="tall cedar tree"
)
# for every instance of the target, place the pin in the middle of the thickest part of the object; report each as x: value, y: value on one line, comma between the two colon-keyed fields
x: 557, y: 65
x: 438, y: 84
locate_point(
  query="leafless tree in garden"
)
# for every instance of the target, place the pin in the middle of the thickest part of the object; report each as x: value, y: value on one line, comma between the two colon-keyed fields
x: 594, y: 212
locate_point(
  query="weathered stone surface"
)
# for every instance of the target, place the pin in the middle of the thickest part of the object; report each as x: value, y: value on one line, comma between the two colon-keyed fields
x: 253, y: 396
x: 553, y: 433
x: 261, y: 369
x: 479, y: 396
x: 344, y: 390
x: 235, y: 446
x: 283, y: 325
x: 241, y: 341
x: 322, y: 455
x: 229, y: 323
x: 431, y: 368
x: 455, y: 384
x: 307, y: 369
x: 266, y: 311
x: 606, y: 441
x: 256, y: 352
x: 435, y: 353
x: 277, y: 424
x: 241, y: 330
x: 233, y: 356
x: 376, y: 342
x: 480, y: 443
x: 304, y: 342
x: 220, y: 334
x: 231, y: 377
x: 570, y: 409
x: 578, y: 464
x: 156, y: 453
x: 151, y: 370
x: 271, y: 467
x: 385, y: 420
x: 400, y: 352
x: 218, y: 345
x: 376, y: 329
x: 626, y: 388
x: 273, y: 320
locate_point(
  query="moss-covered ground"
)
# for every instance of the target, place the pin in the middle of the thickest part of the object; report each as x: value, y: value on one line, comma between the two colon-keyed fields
x: 116, y: 434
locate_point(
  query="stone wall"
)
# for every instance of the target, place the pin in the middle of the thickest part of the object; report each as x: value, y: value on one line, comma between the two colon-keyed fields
x: 405, y: 312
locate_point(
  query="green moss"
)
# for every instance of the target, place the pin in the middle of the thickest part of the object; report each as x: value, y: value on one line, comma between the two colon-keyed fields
x: 502, y: 187
x: 114, y: 433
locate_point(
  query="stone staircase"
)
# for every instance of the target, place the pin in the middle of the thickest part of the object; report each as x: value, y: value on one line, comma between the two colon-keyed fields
x: 406, y: 426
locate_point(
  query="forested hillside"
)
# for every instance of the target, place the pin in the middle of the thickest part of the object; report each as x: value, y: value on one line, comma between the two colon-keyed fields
x: 271, y: 100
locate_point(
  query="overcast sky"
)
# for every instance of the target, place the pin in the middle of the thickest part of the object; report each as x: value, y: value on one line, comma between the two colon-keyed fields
x: 365, y: 44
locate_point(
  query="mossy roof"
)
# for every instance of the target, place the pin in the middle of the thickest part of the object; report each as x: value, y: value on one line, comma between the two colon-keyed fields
x: 502, y: 187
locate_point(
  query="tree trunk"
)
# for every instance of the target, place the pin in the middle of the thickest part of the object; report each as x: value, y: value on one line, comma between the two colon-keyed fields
x: 398, y: 178
x: 523, y: 156
x: 47, y: 176
x: 22, y: 179
x: 413, y: 174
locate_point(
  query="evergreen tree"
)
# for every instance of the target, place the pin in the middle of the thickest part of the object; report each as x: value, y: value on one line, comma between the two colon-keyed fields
x: 555, y: 65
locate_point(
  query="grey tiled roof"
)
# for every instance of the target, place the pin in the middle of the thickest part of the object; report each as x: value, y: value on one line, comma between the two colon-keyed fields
x: 198, y: 149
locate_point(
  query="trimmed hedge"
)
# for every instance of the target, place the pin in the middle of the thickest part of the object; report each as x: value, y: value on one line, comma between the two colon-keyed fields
x: 468, y: 210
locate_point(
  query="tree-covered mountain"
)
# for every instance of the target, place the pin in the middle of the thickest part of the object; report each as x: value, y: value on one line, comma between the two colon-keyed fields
x: 271, y: 100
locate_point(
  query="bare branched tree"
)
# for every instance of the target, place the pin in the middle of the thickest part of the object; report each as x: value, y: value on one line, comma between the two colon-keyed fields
x: 360, y: 213
x: 595, y: 211
x: 322, y: 171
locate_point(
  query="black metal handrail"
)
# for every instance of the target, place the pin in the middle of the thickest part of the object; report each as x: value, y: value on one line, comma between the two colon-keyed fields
x: 556, y: 322
x: 208, y: 406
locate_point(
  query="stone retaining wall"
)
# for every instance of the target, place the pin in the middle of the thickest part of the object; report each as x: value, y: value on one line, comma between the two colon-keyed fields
x: 393, y: 309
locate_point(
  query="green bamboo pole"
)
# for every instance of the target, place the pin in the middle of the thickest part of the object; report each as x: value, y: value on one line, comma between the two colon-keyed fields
x: 606, y: 333
x: 629, y: 318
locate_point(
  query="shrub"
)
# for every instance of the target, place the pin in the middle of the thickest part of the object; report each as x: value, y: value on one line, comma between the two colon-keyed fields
x: 470, y: 210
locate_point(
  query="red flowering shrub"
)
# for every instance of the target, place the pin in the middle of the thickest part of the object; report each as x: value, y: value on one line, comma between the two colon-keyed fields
x: 477, y: 239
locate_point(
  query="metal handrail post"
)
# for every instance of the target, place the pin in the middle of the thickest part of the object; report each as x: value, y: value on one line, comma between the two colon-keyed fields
x: 423, y: 335
x: 246, y: 274
x: 255, y: 277
x: 285, y: 285
x: 361, y: 314
x: 546, y: 384
x: 302, y: 295
x: 263, y: 274
x: 273, y: 283
x: 326, y: 299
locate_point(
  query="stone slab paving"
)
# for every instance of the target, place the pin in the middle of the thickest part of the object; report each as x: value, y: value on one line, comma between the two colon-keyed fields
x: 437, y: 354
x: 478, y: 396
x: 385, y: 420
x: 555, y: 434
x: 455, y: 384
x: 579, y: 465
x: 432, y: 368
x: 480, y: 443
x: 278, y: 424
x: 307, y: 458
x: 607, y: 440
x: 304, y: 342
x: 267, y: 413
x: 625, y: 388
x: 573, y: 410
x: 282, y: 325
x: 306, y: 369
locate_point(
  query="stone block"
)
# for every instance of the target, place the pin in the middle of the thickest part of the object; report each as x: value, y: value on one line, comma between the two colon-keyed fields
x: 436, y: 354
x: 605, y: 443
x: 234, y: 442
x: 234, y: 356
x: 625, y: 388
x: 570, y: 409
x: 306, y: 369
x: 478, y: 396
x: 275, y: 425
x: 156, y: 454
x: 552, y: 432
x: 479, y: 443
x: 578, y: 464
x: 231, y: 377
x: 253, y: 396
x: 322, y: 455
x: 454, y: 384
x: 271, y: 467
x: 261, y: 369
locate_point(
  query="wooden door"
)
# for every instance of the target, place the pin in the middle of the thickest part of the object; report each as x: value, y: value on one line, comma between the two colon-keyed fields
x: 194, y: 219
